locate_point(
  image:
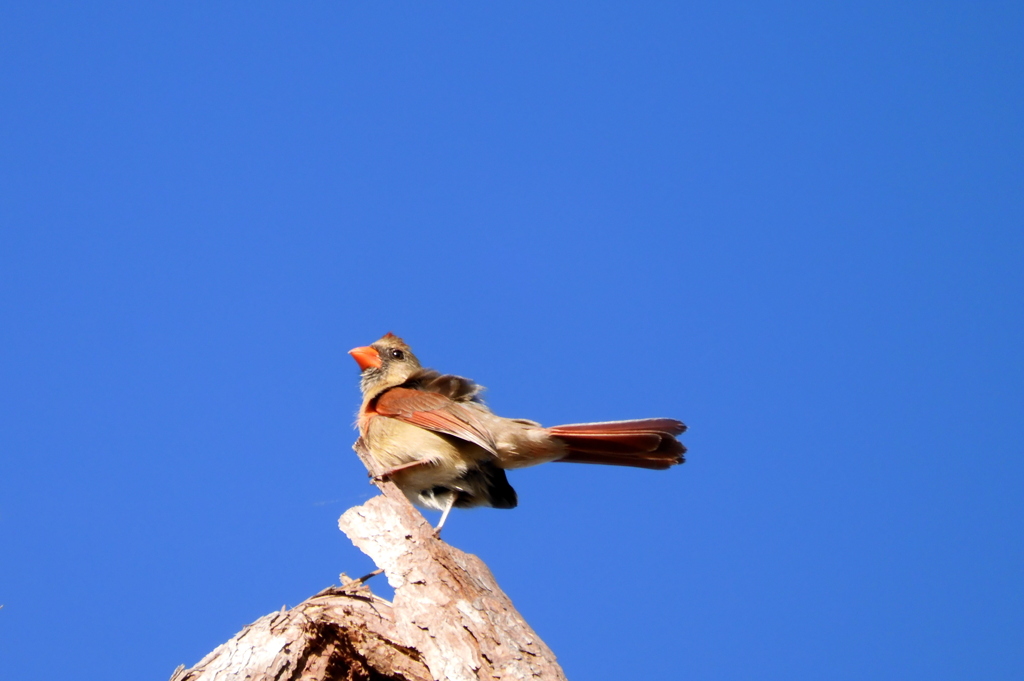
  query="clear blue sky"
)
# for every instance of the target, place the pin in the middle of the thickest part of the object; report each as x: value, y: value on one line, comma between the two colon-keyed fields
x: 797, y: 227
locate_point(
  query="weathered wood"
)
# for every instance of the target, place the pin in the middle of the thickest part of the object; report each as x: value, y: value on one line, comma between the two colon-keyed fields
x: 447, y: 604
x: 333, y: 635
x: 449, y: 620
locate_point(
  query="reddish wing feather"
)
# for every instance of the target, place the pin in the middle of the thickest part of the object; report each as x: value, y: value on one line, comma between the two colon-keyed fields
x: 436, y: 412
x: 399, y: 402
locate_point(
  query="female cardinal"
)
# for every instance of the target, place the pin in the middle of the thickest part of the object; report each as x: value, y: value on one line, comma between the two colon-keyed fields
x: 432, y: 435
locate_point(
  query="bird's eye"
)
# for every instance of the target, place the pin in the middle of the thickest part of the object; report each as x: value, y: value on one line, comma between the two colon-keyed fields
x: 396, y: 354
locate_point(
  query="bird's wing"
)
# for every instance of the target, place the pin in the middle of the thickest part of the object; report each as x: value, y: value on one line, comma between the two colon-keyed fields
x: 436, y: 412
x: 456, y: 388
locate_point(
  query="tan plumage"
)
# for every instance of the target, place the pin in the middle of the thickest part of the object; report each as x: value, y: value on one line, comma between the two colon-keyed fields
x: 433, y: 436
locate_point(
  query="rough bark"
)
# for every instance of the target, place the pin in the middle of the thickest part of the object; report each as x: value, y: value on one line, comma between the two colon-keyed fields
x: 449, y: 619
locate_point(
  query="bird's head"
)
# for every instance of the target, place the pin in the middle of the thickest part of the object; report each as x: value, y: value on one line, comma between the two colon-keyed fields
x: 385, y: 364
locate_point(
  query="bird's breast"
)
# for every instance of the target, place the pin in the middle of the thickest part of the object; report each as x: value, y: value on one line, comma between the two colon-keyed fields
x: 393, y: 444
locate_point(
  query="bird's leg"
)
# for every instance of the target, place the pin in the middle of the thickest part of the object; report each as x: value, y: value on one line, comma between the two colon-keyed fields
x: 447, y: 509
x: 398, y: 469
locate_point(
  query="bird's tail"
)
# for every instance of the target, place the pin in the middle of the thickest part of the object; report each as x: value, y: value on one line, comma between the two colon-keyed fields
x: 641, y: 443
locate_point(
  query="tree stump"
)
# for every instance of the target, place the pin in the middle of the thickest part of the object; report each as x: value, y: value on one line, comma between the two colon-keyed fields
x: 449, y: 619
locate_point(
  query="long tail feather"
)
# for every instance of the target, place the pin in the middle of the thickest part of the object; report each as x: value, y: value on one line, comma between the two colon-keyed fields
x: 641, y: 443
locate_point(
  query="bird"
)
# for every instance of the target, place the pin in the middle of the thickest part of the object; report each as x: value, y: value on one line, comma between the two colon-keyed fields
x: 433, y: 436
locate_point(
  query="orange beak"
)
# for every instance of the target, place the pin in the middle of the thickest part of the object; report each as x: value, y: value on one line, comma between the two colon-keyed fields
x: 366, y: 357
